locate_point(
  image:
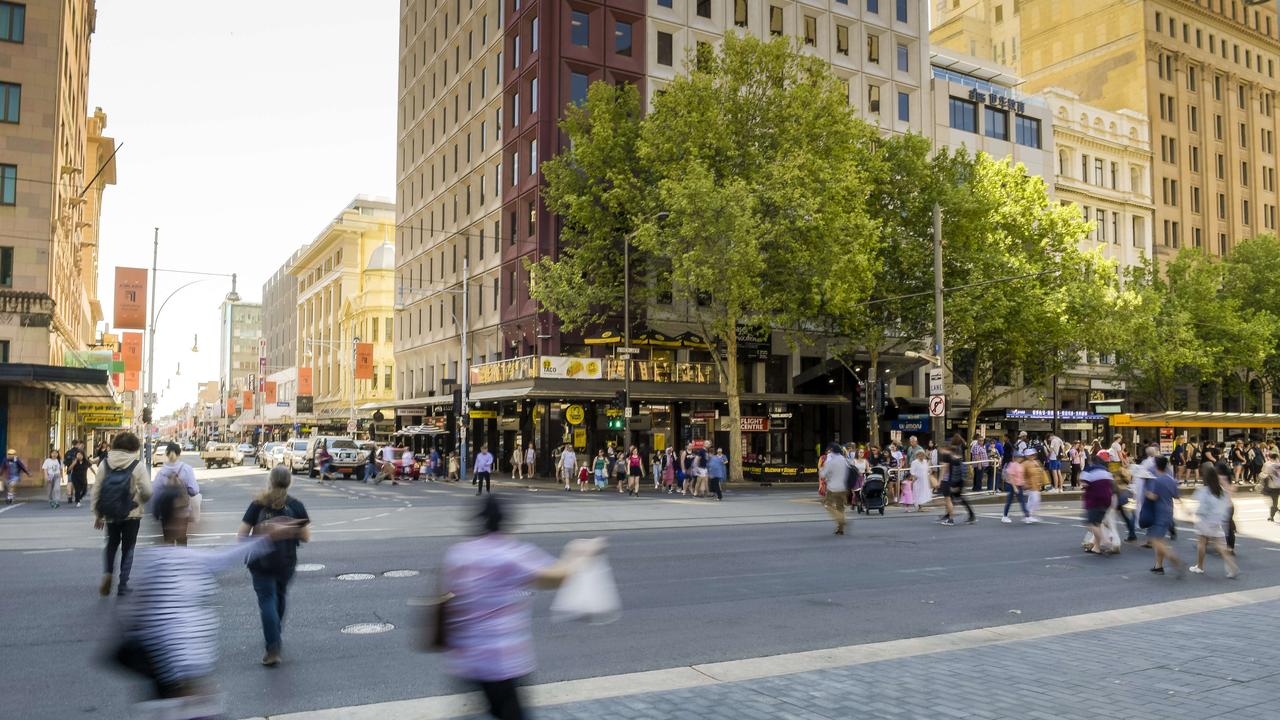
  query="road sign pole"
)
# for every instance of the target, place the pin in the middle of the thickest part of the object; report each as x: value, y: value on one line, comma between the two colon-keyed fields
x: 939, y: 425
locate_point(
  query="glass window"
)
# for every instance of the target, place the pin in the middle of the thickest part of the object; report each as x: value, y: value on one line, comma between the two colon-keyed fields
x: 515, y: 110
x: 664, y: 48
x: 1028, y: 133
x: 665, y: 3
x: 6, y: 267
x: 964, y: 115
x: 873, y: 99
x: 810, y: 31
x: 904, y: 58
x: 622, y: 38
x: 515, y: 53
x: 740, y: 13
x: 904, y: 107
x: 775, y: 20
x: 842, y: 39
x: 8, y: 184
x: 873, y: 48
x: 901, y: 13
x: 578, y: 83
x: 13, y: 22
x: 704, y: 8
x: 533, y: 96
x: 995, y: 123
x: 579, y: 28
x: 10, y: 102
x: 873, y: 6
x: 533, y: 157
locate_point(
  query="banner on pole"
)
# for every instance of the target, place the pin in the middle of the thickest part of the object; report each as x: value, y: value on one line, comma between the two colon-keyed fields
x: 131, y: 299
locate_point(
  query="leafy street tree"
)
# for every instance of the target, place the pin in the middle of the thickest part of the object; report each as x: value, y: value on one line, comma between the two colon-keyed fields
x: 1159, y: 348
x: 754, y: 160
x: 1250, y: 280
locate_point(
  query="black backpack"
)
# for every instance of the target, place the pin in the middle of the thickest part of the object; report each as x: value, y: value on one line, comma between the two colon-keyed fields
x: 115, y: 497
x: 284, y: 553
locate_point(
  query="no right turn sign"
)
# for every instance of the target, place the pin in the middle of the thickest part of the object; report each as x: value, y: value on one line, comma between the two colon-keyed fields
x: 937, y: 405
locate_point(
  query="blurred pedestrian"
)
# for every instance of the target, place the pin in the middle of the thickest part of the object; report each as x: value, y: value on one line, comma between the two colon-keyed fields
x: 77, y: 470
x: 179, y: 478
x: 1035, y: 478
x: 1161, y: 491
x: 718, y: 472
x: 272, y: 571
x: 1097, y: 497
x: 12, y: 473
x: 484, y: 466
x: 1270, y: 474
x: 835, y: 474
x: 52, y: 468
x: 119, y: 493
x: 324, y: 462
x: 1213, y: 510
x: 488, y: 614
x: 951, y: 480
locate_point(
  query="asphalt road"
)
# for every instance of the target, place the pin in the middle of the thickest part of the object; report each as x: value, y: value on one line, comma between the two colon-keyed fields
x: 701, y: 581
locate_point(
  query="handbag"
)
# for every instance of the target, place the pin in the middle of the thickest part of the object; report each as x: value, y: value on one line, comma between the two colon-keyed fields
x: 822, y: 487
x: 1147, y: 515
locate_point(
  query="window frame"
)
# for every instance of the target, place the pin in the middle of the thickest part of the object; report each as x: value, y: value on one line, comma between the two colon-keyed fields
x: 8, y: 185
x: 584, y: 29
x: 18, y: 10
x: 10, y: 93
x: 989, y: 115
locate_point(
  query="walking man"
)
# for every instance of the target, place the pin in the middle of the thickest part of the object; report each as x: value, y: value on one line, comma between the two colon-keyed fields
x: 1054, y: 447
x: 568, y: 466
x: 835, y: 471
x: 13, y: 469
x: 951, y: 460
x: 978, y: 454
x: 272, y: 571
x: 1161, y: 490
x: 121, y: 490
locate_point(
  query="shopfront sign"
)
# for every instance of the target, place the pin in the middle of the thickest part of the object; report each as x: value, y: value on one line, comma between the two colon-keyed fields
x: 574, y: 414
x: 101, y: 409
x: 483, y: 414
x: 410, y: 412
x: 509, y: 423
x: 580, y: 438
x: 103, y: 420
x: 1166, y: 441
x: 754, y: 423
x: 1020, y: 414
x: 570, y: 368
x: 702, y: 415
x: 306, y: 404
x: 996, y: 100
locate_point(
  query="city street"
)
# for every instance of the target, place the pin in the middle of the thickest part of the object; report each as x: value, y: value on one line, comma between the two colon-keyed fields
x: 702, y: 582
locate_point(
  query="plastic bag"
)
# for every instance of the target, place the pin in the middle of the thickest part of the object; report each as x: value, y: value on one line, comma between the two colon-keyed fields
x: 589, y: 595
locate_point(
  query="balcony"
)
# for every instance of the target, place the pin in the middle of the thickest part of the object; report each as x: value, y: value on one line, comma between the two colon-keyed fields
x: 655, y: 371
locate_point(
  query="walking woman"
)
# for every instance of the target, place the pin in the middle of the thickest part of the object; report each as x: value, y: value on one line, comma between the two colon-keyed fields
x: 635, y: 471
x: 921, y: 483
x: 1077, y: 457
x: 669, y: 470
x: 272, y: 571
x: 52, y: 468
x: 1213, y: 508
x: 1271, y: 483
x: 118, y: 496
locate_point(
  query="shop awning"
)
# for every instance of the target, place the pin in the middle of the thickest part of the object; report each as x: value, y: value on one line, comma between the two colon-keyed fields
x: 606, y: 337
x: 396, y: 404
x: 420, y: 430
x: 654, y: 338
x: 693, y: 340
x: 72, y: 382
x: 1187, y: 418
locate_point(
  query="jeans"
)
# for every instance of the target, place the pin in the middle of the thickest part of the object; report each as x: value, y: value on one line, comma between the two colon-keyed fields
x: 122, y: 535
x: 1128, y: 522
x: 979, y: 472
x: 482, y: 482
x: 55, y: 490
x: 271, y: 590
x: 503, y: 698
x: 1009, y: 492
x: 715, y: 488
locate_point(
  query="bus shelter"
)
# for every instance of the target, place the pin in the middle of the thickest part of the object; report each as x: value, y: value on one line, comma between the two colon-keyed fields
x: 1221, y: 425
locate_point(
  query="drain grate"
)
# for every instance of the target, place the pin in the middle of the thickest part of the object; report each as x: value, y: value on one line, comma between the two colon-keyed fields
x: 355, y: 576
x: 368, y: 628
x: 309, y: 567
x: 400, y: 573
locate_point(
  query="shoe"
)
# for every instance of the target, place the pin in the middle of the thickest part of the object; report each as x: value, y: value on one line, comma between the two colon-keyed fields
x: 271, y: 659
x: 948, y: 522
x: 1195, y: 570
x: 1233, y: 575
x: 1157, y: 571
x: 77, y: 503
x: 1006, y: 520
x: 104, y: 587
x: 123, y: 590
x: 1031, y: 520
x: 972, y: 519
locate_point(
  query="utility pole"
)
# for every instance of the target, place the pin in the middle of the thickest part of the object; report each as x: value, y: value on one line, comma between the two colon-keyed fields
x: 151, y: 352
x: 939, y: 424
x: 355, y: 345
x: 626, y: 346
x: 465, y: 370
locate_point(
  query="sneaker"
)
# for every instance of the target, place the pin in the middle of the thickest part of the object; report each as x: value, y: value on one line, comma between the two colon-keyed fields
x: 1195, y: 570
x: 1157, y: 571
x: 972, y: 519
x: 77, y: 503
x: 271, y: 659
x: 1031, y: 520
x: 1006, y: 520
x: 948, y: 522
x: 104, y: 587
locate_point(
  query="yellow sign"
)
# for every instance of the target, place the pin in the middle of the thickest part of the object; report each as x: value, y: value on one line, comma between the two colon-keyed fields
x: 484, y: 414
x: 103, y: 420
x: 659, y: 442
x: 580, y: 438
x: 575, y: 414
x: 101, y: 409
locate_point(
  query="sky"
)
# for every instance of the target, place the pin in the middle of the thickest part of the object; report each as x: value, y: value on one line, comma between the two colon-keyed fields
x: 244, y: 127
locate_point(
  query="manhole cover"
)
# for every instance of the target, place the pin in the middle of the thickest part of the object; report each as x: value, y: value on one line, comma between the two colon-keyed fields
x: 356, y: 576
x: 309, y: 567
x: 400, y: 573
x: 368, y: 628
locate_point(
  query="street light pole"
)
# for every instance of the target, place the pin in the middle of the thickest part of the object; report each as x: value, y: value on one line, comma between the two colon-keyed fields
x: 151, y: 351
x: 939, y: 427
x: 626, y: 345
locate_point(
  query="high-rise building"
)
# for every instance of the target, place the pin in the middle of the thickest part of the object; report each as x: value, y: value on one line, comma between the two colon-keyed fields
x: 54, y: 163
x: 482, y: 87
x: 1202, y: 71
x: 238, y: 336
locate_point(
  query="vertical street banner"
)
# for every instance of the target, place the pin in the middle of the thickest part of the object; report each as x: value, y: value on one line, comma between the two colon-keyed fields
x: 269, y: 393
x: 246, y: 399
x: 304, y: 381
x: 131, y: 351
x: 364, y: 361
x: 231, y: 408
x: 131, y: 380
x: 131, y: 299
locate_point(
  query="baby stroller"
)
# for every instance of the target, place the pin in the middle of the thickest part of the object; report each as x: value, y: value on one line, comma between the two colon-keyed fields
x: 872, y: 496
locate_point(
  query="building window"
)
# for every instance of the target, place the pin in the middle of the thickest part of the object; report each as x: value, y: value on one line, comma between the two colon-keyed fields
x: 775, y: 20
x: 902, y: 10
x: 515, y: 54
x: 665, y: 3
x: 1244, y: 215
x: 810, y: 31
x: 1244, y: 173
x: 904, y: 107
x: 13, y: 22
x: 999, y: 13
x: 704, y: 8
x: 1195, y: 199
x: 964, y: 115
x: 1101, y: 216
x: 1115, y: 174
x: 1222, y: 206
x: 533, y: 96
x: 904, y: 58
x: 1191, y: 78
x: 1222, y: 166
x: 740, y: 13
x: 578, y: 83
x: 6, y: 267
x: 1244, y: 135
x: 8, y: 184
x: 873, y: 48
x: 1217, y: 127
x: 622, y: 38
x: 1097, y: 172
x: 515, y: 110
x: 10, y: 102
x: 579, y: 28
x: 995, y: 123
x: 664, y: 48
x: 842, y: 39
x: 533, y: 36
x: 1028, y: 134
x: 873, y: 99
x: 533, y: 157
x: 873, y: 7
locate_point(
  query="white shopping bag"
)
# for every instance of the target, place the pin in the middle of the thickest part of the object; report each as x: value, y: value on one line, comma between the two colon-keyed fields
x: 589, y: 595
x: 193, y: 507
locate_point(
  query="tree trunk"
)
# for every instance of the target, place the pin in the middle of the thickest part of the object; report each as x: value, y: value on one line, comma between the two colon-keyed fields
x: 732, y: 394
x: 873, y: 409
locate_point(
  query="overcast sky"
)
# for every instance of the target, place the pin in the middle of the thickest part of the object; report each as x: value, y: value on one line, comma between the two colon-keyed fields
x: 246, y: 126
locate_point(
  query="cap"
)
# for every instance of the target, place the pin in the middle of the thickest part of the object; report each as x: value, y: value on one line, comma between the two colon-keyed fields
x: 1022, y: 433
x: 1028, y: 453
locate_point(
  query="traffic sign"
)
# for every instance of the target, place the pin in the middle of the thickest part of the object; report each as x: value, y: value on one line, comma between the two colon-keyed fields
x: 937, y: 405
x: 935, y: 382
x: 628, y: 351
x: 627, y: 411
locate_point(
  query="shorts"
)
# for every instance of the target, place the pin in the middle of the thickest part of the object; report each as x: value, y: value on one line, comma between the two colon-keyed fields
x: 1158, y: 531
x: 947, y: 489
x: 1053, y: 465
x: 1094, y: 516
x: 635, y: 472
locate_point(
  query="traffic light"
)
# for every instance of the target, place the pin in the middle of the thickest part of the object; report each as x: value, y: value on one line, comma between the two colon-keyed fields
x: 457, y: 402
x: 617, y: 423
x: 619, y: 400
x: 146, y: 415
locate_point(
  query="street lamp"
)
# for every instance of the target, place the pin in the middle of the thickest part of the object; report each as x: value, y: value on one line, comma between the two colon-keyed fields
x: 626, y: 332
x: 464, y: 353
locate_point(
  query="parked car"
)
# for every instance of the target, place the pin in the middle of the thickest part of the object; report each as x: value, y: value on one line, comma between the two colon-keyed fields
x: 247, y: 450
x: 270, y: 454
x: 295, y: 454
x: 158, y: 456
x: 347, y: 457
x: 221, y: 455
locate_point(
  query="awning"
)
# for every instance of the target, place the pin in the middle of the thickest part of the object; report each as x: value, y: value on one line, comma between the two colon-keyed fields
x: 607, y: 337
x: 72, y: 382
x: 654, y: 338
x: 395, y: 404
x: 420, y: 430
x: 1188, y: 418
x: 692, y: 339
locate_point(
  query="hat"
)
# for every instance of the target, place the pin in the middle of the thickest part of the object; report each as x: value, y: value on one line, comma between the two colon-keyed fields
x: 1022, y: 433
x: 1028, y: 453
x: 1104, y: 455
x: 13, y: 452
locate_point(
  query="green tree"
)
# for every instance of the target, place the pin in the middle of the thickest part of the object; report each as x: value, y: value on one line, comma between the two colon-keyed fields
x: 1160, y: 348
x: 1252, y: 280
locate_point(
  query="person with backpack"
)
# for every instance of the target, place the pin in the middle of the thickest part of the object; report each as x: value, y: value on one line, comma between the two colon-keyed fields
x: 121, y: 490
x: 272, y: 571
x: 951, y: 487
x: 176, y: 478
x: 77, y: 465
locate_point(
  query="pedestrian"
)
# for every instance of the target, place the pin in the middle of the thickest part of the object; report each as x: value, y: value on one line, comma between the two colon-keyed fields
x: 978, y: 454
x: 1076, y: 456
x: 568, y: 464
x: 584, y: 477
x: 100, y: 455
x: 77, y: 470
x: 530, y: 457
x: 489, y: 610
x: 600, y: 470
x: 669, y: 470
x: 484, y: 466
x: 119, y: 493
x: 835, y: 474
x: 1055, y: 449
x: 386, y: 462
x: 635, y: 471
x: 1237, y: 460
x: 372, y: 466
x: 178, y: 478
x: 951, y: 477
x: 1213, y: 510
x: 655, y: 468
x: 408, y: 465
x: 621, y: 463
x: 12, y: 471
x: 324, y: 461
x: 1097, y: 498
x: 718, y: 472
x: 455, y: 470
x: 1015, y: 486
x: 52, y: 468
x: 1160, y: 491
x: 170, y: 624
x: 1116, y: 452
x: 272, y: 571
x: 1036, y: 479
x: 1124, y: 490
x: 1270, y: 474
x: 921, y: 482
x: 437, y: 464
x: 517, y: 463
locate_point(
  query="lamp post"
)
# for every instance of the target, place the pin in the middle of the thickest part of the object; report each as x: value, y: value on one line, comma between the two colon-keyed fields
x: 148, y: 400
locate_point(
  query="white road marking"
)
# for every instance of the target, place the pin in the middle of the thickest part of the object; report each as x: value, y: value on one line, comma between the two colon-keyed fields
x: 1059, y: 557
x: 340, y: 522
x: 45, y: 552
x: 370, y: 517
x: 383, y: 514
x: 7, y: 508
